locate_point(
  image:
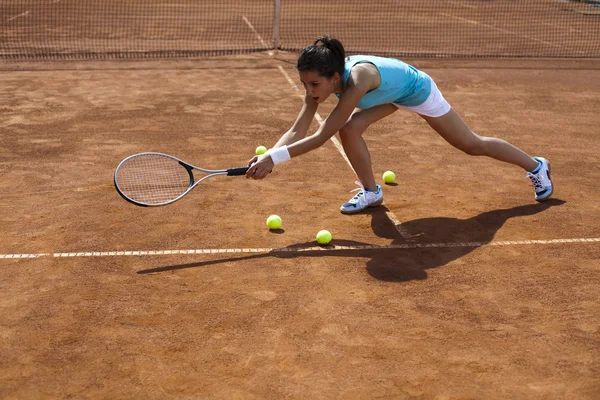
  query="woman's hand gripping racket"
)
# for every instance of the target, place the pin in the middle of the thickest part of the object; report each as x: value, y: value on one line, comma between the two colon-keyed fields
x: 157, y: 179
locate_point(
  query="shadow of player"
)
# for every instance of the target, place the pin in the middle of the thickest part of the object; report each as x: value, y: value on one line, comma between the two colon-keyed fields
x: 403, y: 264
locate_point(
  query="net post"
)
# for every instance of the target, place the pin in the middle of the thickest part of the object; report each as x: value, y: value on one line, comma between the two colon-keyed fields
x: 276, y: 21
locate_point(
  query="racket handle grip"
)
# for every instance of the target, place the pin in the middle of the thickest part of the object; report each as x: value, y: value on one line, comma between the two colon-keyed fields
x: 237, y: 171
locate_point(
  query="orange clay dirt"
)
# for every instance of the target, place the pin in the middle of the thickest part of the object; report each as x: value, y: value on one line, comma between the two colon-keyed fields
x: 452, y: 308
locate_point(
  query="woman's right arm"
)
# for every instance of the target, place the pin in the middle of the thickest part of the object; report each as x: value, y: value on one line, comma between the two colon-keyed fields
x: 300, y: 127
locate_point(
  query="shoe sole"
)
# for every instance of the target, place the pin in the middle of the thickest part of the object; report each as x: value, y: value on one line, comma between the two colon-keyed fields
x: 546, y: 197
x: 376, y: 204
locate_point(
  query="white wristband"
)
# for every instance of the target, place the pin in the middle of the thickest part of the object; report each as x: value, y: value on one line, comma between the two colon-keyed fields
x: 279, y: 155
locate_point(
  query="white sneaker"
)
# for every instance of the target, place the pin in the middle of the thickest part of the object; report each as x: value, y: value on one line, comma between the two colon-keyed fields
x: 363, y: 199
x: 542, y: 184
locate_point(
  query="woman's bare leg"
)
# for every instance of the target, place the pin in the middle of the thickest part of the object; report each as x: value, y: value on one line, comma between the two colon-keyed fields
x: 454, y: 130
x: 354, y: 145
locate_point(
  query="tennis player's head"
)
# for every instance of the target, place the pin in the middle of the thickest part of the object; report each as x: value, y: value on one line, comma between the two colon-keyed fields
x: 321, y: 67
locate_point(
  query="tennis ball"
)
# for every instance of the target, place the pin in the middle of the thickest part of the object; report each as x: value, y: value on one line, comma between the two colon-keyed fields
x: 261, y: 150
x: 389, y: 177
x: 274, y: 222
x: 324, y: 237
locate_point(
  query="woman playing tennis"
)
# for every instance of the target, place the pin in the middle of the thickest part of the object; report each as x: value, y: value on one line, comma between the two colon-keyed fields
x: 371, y: 88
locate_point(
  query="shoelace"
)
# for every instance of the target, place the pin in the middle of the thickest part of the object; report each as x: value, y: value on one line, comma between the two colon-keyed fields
x: 536, y: 180
x: 361, y: 192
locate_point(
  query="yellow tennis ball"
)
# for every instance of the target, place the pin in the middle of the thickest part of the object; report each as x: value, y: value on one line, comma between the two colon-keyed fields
x: 324, y: 237
x: 274, y: 222
x: 261, y: 150
x: 389, y: 177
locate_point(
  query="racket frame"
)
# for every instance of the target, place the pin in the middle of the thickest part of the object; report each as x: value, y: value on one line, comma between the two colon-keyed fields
x: 189, y: 168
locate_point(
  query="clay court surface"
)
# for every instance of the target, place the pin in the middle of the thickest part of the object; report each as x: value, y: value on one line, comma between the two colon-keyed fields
x: 461, y: 286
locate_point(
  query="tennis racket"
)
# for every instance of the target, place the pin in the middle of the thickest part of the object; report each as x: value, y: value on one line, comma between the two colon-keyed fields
x: 157, y: 179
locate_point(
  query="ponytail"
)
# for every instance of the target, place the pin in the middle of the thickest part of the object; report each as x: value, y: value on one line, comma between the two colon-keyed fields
x: 326, y: 58
x: 334, y: 46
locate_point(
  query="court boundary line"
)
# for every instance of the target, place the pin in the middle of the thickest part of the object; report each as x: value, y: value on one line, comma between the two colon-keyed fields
x: 408, y: 246
x: 27, y: 12
x: 397, y: 223
x: 260, y: 39
x: 17, y: 16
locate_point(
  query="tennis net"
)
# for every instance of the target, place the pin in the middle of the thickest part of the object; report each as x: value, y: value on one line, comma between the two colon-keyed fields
x: 107, y: 29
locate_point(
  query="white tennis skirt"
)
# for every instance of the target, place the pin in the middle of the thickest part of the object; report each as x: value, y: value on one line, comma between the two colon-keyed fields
x: 435, y: 105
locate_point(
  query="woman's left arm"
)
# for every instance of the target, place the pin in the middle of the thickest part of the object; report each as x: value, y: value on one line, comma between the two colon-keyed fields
x: 334, y: 122
x: 359, y: 83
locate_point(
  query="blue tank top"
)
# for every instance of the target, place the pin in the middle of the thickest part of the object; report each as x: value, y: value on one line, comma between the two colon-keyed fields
x: 401, y: 83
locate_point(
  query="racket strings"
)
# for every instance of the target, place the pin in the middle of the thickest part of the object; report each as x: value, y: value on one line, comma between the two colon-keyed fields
x: 152, y: 179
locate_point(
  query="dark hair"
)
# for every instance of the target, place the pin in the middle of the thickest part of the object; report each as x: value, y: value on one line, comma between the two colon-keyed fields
x: 326, y: 58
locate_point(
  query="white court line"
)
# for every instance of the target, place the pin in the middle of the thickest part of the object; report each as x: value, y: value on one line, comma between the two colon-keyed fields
x: 17, y: 16
x: 260, y: 39
x: 27, y: 12
x: 39, y: 255
x: 397, y: 223
x: 505, y: 31
x: 298, y: 250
